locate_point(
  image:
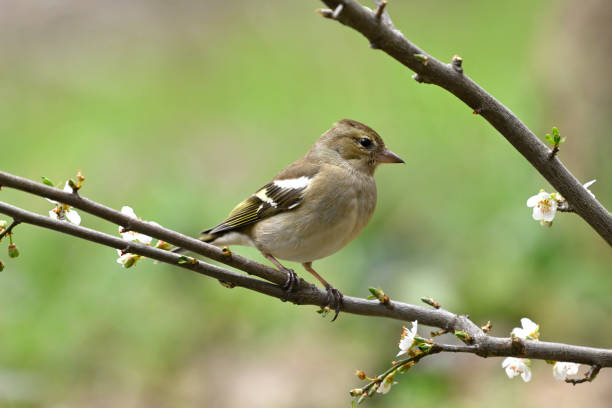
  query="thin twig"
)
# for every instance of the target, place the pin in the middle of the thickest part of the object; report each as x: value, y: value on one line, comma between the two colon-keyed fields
x: 553, y: 152
x: 9, y: 230
x: 565, y: 207
x: 588, y: 376
x: 380, y: 9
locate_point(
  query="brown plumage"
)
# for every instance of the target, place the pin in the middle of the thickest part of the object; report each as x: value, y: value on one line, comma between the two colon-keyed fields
x: 315, y: 206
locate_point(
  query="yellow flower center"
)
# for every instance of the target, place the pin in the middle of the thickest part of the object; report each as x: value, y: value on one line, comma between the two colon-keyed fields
x: 544, y: 205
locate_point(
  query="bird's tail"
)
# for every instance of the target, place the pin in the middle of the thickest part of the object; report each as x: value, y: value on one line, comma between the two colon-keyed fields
x: 208, y: 238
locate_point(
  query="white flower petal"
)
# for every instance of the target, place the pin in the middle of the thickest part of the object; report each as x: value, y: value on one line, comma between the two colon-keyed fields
x: 407, y: 340
x: 519, y: 332
x: 507, y: 361
x: 561, y: 370
x: 385, y: 386
x: 529, y: 325
x: 552, y: 211
x: 509, y: 364
x: 526, y: 374
x: 73, y: 217
x: 125, y: 210
x: 533, y: 200
x: 537, y: 213
x: 132, y: 235
x: 143, y: 239
x: 53, y: 214
x: 517, y: 366
x: 544, y: 207
x: 122, y: 258
x: 529, y: 329
x: 127, y: 235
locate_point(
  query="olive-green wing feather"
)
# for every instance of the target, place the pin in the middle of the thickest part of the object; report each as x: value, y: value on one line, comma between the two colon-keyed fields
x: 284, y: 193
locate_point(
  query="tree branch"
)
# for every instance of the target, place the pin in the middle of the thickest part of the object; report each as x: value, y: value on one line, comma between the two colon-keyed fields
x: 9, y: 230
x: 382, y: 35
x: 477, y: 341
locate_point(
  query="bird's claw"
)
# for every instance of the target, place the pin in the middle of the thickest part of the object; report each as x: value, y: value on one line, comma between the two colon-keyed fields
x: 334, y: 300
x: 291, y: 283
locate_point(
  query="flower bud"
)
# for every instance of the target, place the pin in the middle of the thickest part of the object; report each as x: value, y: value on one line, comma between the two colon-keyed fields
x: 418, y: 339
x: 13, y: 251
x: 425, y: 347
x: 163, y: 245
x: 361, y: 374
x: 460, y: 334
x: 73, y: 185
x: 129, y: 262
x: 355, y: 392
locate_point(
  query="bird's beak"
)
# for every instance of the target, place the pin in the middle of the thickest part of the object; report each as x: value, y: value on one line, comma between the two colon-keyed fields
x: 387, y: 156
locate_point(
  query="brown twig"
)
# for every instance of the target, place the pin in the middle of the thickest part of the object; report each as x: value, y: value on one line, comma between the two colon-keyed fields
x: 380, y: 9
x: 553, y: 152
x: 9, y: 230
x: 588, y: 376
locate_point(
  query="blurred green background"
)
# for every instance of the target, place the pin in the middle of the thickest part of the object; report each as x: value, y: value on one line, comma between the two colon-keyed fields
x: 182, y: 109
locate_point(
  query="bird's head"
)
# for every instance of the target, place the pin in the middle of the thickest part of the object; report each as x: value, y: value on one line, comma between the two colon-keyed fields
x: 352, y: 143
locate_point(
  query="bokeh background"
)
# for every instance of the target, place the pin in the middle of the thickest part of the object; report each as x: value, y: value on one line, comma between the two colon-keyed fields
x: 181, y: 109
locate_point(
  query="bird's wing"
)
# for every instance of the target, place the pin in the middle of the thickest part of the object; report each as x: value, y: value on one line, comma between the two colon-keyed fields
x: 284, y: 193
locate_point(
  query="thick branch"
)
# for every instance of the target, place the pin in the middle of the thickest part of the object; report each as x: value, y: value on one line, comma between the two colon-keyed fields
x: 307, y: 294
x: 382, y: 35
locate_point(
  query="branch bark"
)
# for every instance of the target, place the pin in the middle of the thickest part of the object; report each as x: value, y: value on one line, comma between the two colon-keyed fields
x: 479, y: 342
x: 383, y: 35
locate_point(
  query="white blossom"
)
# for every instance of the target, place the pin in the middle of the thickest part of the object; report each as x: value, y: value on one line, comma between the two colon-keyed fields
x: 64, y: 211
x: 561, y: 370
x: 133, y: 235
x: 69, y: 214
x: 529, y: 331
x: 127, y: 260
x: 386, y: 384
x: 407, y: 340
x: 544, y: 207
x: 517, y: 366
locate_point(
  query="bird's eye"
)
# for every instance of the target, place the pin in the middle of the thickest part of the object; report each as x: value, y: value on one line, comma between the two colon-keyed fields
x: 365, y: 142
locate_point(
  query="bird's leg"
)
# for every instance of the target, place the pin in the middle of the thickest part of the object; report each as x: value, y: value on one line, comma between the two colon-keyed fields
x: 292, y: 278
x: 334, y: 297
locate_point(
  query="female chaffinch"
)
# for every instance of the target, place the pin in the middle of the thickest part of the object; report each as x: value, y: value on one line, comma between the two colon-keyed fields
x: 315, y: 206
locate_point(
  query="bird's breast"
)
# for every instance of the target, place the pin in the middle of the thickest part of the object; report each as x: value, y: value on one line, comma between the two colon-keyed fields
x: 331, y: 217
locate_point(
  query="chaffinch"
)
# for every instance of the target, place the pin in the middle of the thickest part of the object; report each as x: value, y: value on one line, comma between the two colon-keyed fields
x: 315, y: 206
